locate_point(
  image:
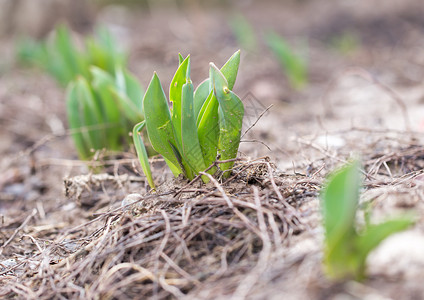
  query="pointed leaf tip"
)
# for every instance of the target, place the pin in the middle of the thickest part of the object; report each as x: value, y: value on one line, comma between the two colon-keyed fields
x: 214, y: 68
x: 155, y: 77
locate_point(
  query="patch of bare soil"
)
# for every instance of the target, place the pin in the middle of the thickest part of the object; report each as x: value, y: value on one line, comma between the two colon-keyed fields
x: 68, y: 232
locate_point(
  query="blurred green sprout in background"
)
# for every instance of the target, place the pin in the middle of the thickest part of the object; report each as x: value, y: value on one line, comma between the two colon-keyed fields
x: 243, y: 32
x: 62, y: 59
x: 102, y: 110
x: 102, y: 98
x: 347, y: 246
x: 294, y: 66
x: 346, y: 43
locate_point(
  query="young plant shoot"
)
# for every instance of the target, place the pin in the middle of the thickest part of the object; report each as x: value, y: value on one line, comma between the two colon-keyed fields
x: 201, y: 125
x: 102, y: 111
x: 64, y: 61
x: 243, y: 32
x: 346, y: 246
x: 294, y: 66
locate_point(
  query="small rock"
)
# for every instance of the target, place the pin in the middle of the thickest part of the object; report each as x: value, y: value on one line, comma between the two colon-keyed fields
x: 8, y: 263
x: 330, y: 141
x: 130, y: 199
x: 70, y: 246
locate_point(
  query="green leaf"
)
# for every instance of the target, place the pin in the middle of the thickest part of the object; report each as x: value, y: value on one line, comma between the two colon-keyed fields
x: 102, y: 51
x: 202, y: 101
x: 208, y: 130
x: 180, y: 59
x: 294, y: 66
x: 339, y: 204
x: 130, y: 86
x: 72, y: 62
x: 204, y: 107
x: 243, y: 32
x: 142, y: 153
x: 230, y: 113
x: 97, y: 56
x: 120, y: 112
x: 62, y: 60
x: 373, y: 235
x: 92, y: 115
x: 200, y: 95
x: 101, y: 78
x: 340, y: 201
x: 103, y: 85
x: 31, y: 52
x: 158, y: 121
x: 127, y: 108
x: 181, y: 163
x: 346, y: 251
x: 230, y: 69
x: 190, y: 141
x: 74, y: 112
x: 175, y: 170
x: 175, y: 94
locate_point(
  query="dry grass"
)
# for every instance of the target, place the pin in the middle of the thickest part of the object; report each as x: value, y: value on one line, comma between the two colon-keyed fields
x: 233, y: 239
x: 173, y: 243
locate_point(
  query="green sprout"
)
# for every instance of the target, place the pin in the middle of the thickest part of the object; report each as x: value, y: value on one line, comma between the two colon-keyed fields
x: 346, y: 43
x: 62, y: 59
x: 102, y: 96
x: 346, y: 247
x: 202, y: 124
x: 243, y: 32
x: 294, y: 66
x: 103, y: 110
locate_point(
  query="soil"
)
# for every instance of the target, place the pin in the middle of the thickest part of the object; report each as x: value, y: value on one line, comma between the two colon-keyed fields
x: 68, y: 232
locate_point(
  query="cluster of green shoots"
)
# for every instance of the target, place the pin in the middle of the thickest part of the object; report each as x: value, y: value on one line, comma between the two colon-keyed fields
x: 346, y: 245
x: 102, y: 110
x: 64, y: 61
x: 102, y: 96
x: 202, y: 124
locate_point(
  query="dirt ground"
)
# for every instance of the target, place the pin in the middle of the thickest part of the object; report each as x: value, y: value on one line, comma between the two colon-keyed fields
x: 66, y: 233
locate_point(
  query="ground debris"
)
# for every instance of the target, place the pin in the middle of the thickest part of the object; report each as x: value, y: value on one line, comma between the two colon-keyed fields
x: 177, y: 244
x: 83, y: 188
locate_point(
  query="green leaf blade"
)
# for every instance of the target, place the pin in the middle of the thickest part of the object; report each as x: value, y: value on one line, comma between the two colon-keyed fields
x: 200, y: 95
x: 230, y: 113
x: 373, y: 235
x: 340, y: 201
x: 74, y: 113
x: 230, y: 69
x: 208, y: 130
x: 180, y: 59
x: 103, y: 84
x: 132, y: 88
x: 243, y: 32
x: 158, y: 121
x: 175, y: 96
x: 72, y: 61
x: 295, y: 67
x: 142, y: 153
x: 191, y: 149
x: 92, y: 114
